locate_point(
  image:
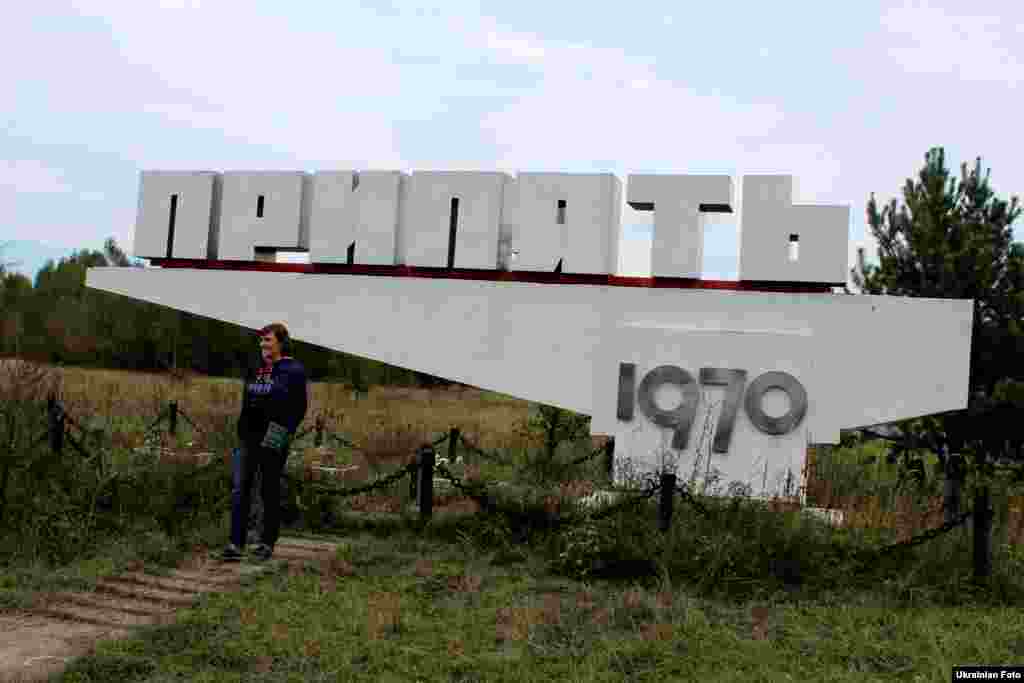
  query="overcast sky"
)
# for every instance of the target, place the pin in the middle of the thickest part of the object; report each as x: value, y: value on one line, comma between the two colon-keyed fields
x: 846, y: 96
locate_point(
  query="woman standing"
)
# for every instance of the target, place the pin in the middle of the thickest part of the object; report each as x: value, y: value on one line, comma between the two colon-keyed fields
x: 274, y: 403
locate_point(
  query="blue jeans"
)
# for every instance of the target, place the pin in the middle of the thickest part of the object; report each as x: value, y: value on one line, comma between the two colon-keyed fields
x: 246, y: 460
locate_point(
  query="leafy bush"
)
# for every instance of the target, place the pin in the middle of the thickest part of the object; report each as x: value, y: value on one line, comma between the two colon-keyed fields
x: 484, y: 533
x: 549, y: 427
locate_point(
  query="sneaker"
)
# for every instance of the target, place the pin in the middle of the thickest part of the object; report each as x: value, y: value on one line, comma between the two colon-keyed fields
x: 262, y: 552
x: 231, y: 553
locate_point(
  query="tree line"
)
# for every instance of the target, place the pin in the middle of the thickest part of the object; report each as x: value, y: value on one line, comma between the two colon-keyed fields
x: 58, y: 320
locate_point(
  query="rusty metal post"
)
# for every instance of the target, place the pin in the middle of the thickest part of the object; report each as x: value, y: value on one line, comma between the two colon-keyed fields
x: 414, y: 479
x: 453, y: 443
x: 425, y: 488
x: 56, y: 424
x: 982, y: 534
x: 668, y: 494
x: 952, y: 486
x: 609, y: 449
x: 319, y: 440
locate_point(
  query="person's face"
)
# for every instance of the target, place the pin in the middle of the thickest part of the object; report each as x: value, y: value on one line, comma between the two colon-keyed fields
x: 269, y: 345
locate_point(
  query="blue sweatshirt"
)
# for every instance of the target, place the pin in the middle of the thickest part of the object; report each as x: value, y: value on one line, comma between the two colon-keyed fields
x: 273, y: 393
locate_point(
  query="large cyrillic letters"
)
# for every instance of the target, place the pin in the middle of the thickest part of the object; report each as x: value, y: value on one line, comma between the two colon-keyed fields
x: 771, y: 223
x: 563, y: 222
x: 357, y: 211
x: 178, y: 211
x: 677, y: 201
x: 563, y: 217
x: 451, y: 219
x: 263, y: 209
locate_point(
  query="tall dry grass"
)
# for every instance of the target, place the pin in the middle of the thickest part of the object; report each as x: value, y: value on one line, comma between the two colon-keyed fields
x: 907, y: 515
x: 391, y: 422
x: 387, y: 425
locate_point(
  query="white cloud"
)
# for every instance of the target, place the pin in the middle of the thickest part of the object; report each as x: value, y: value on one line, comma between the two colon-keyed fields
x: 31, y: 176
x: 515, y: 47
x: 936, y: 41
x: 178, y: 4
x: 600, y: 103
x: 311, y: 95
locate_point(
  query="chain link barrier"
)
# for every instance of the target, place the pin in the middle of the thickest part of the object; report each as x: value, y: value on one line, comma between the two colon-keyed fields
x: 78, y: 446
x: 925, y: 536
x: 60, y: 413
x: 160, y: 418
x: 889, y: 549
x: 189, y: 420
x: 480, y: 496
x: 485, y: 502
x: 383, y: 482
x: 590, y: 456
x: 652, y: 488
x: 688, y: 496
x: 912, y: 542
x: 343, y: 441
x: 493, y: 457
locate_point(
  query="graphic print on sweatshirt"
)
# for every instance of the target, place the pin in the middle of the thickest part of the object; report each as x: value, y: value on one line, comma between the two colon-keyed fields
x: 264, y: 381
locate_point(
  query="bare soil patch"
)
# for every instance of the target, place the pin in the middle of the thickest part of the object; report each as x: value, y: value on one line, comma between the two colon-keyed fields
x: 38, y: 642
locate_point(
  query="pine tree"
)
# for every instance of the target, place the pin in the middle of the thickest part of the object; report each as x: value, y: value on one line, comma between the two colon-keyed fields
x: 951, y: 239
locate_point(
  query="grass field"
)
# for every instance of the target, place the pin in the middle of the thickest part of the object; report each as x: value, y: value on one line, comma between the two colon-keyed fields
x: 459, y: 601
x: 414, y: 609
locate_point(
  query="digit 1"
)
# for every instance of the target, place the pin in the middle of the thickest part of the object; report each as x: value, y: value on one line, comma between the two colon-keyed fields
x: 733, y: 380
x: 627, y: 387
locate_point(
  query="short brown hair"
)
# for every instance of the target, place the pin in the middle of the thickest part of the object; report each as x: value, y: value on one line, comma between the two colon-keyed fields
x: 281, y: 333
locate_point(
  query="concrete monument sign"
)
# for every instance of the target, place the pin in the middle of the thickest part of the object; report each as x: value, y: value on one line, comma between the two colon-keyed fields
x: 508, y: 283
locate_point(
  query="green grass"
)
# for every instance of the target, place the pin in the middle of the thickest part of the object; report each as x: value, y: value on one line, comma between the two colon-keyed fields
x: 831, y: 614
x: 446, y: 634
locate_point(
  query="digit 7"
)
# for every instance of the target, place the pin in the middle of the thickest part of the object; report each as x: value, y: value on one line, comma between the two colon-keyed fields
x: 734, y: 381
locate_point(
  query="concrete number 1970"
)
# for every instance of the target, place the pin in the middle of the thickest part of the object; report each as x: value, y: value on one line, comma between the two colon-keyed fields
x: 680, y: 419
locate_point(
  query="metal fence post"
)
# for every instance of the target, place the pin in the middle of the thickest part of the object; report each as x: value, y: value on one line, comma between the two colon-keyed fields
x: 319, y: 440
x: 414, y: 479
x: 174, y: 418
x: 453, y: 442
x: 668, y: 491
x: 982, y: 534
x: 952, y: 486
x: 609, y: 449
x: 56, y: 424
x: 426, y: 484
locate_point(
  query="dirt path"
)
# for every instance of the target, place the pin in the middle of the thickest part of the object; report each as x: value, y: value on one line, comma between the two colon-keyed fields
x: 38, y: 642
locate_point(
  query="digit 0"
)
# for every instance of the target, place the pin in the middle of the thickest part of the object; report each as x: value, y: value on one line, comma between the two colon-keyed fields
x: 797, y: 402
